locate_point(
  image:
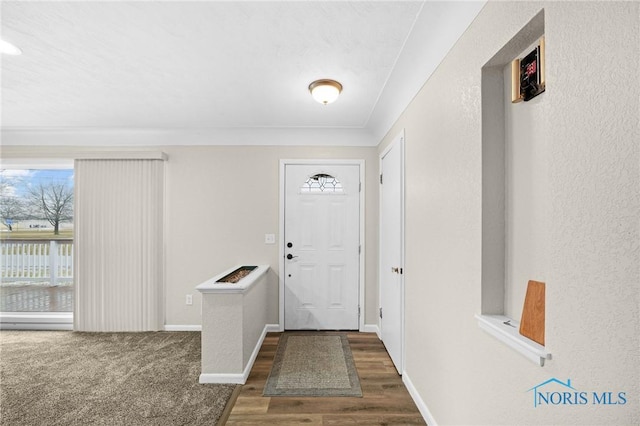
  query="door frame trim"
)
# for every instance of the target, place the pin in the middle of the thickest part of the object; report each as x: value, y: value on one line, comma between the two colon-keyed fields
x: 399, y: 139
x: 361, y: 272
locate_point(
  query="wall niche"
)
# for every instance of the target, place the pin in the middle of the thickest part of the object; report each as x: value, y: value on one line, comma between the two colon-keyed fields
x: 514, y: 195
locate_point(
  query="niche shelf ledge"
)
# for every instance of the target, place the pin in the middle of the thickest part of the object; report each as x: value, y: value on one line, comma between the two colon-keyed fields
x: 498, y: 326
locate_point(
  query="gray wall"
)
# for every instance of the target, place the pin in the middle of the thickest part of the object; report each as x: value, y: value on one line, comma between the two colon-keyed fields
x: 220, y: 201
x: 589, y: 137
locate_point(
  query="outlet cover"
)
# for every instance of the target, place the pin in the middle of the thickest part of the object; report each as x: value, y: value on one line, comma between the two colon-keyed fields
x: 269, y: 238
x: 189, y: 299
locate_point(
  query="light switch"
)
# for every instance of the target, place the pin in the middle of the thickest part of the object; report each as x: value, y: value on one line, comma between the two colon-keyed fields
x: 269, y: 238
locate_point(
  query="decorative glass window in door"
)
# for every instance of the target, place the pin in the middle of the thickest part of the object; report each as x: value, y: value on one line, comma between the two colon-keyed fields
x: 322, y: 183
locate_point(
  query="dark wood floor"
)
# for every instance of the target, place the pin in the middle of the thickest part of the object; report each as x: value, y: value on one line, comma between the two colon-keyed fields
x: 385, y: 399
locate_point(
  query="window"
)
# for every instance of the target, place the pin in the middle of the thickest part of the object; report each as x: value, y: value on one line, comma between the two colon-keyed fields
x: 322, y: 183
x: 36, y: 240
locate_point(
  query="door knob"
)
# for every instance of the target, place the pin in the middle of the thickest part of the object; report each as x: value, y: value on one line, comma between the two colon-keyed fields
x: 289, y: 245
x: 290, y: 256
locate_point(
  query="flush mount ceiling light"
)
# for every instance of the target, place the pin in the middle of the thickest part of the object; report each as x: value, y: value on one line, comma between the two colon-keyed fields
x: 325, y: 91
x: 9, y: 49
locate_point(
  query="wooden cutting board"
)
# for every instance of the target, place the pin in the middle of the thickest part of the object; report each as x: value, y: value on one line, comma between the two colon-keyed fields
x: 532, y: 321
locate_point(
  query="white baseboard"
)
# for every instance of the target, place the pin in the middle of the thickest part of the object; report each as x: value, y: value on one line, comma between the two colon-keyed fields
x: 234, y: 379
x: 240, y: 379
x: 371, y: 328
x: 272, y: 328
x: 422, y: 407
x: 195, y: 327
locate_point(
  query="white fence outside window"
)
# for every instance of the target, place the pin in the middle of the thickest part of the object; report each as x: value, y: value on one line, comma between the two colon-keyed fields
x: 36, y: 261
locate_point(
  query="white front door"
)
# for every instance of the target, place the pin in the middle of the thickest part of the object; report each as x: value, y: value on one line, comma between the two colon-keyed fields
x: 391, y: 251
x: 321, y: 246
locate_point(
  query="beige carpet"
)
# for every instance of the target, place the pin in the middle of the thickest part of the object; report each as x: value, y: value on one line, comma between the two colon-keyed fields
x: 67, y: 378
x: 313, y: 364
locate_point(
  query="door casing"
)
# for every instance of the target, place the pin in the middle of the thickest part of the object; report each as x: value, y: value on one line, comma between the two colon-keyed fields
x: 281, y: 251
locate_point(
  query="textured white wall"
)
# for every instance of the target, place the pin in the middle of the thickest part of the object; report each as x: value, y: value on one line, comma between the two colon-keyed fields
x: 594, y: 183
x: 254, y: 315
x: 222, y: 324
x: 231, y: 327
x: 463, y: 375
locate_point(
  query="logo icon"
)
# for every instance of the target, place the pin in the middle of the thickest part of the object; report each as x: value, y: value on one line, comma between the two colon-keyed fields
x: 545, y: 397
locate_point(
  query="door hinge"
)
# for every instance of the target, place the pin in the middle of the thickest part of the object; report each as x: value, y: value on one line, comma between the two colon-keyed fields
x: 358, y: 311
x: 360, y: 249
x: 380, y: 178
x: 380, y: 312
x: 360, y: 187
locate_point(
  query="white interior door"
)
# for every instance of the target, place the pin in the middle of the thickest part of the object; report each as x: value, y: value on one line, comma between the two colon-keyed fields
x: 391, y: 251
x: 321, y: 238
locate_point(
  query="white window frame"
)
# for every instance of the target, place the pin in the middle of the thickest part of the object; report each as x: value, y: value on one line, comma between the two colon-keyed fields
x: 37, y: 320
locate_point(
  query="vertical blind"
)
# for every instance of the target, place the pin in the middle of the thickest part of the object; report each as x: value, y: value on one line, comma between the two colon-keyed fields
x: 119, y: 280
